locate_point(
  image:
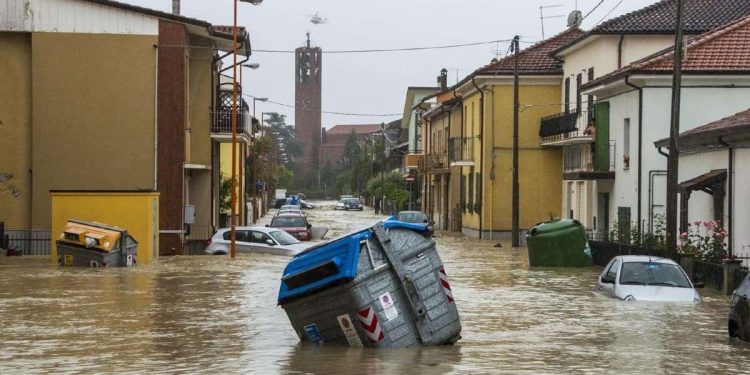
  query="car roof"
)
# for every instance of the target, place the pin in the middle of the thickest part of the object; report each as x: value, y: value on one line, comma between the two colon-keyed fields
x: 411, y: 212
x: 255, y: 228
x: 645, y: 258
x: 290, y: 214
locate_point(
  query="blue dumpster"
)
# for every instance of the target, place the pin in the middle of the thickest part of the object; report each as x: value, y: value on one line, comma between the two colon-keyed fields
x: 384, y: 286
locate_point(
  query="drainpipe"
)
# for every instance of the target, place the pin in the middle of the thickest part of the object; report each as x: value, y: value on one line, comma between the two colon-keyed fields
x: 730, y: 197
x: 481, y: 151
x: 239, y: 63
x: 492, y: 164
x: 640, y: 149
x: 619, y: 52
x: 156, y: 118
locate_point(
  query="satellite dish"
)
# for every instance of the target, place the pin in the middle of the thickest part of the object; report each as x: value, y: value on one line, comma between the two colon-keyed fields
x: 575, y: 18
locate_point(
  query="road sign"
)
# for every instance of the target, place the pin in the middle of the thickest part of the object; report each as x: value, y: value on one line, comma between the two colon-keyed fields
x: 409, y: 179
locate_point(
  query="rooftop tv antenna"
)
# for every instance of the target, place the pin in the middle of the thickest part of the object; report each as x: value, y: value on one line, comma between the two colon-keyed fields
x: 542, y: 17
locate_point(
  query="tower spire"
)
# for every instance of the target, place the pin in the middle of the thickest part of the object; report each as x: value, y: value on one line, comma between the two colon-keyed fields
x: 308, y: 39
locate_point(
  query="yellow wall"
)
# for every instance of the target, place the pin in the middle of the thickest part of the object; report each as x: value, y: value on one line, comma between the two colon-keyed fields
x: 15, y: 130
x: 137, y: 212
x: 199, y: 92
x: 226, y: 162
x: 93, y: 114
x: 540, y: 169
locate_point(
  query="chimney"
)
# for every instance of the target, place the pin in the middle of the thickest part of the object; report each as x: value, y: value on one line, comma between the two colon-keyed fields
x: 443, y: 79
x: 176, y: 7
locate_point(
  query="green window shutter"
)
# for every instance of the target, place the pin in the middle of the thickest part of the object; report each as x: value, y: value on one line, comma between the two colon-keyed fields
x: 601, y: 152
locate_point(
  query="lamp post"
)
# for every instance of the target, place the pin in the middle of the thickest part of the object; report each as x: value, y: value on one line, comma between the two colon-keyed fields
x: 233, y: 244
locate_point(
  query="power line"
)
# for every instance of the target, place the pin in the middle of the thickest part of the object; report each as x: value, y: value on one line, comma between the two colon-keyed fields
x: 593, y: 9
x: 608, y: 13
x: 406, y: 49
x: 329, y: 112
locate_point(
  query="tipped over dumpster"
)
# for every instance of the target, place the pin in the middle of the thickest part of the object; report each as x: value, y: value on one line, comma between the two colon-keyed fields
x: 87, y: 244
x: 383, y: 287
x: 558, y: 243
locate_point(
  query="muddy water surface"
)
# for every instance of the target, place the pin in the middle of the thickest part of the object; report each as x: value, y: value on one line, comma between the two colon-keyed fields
x: 212, y: 314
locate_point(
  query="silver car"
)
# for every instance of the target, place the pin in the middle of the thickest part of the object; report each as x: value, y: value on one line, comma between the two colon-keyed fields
x: 646, y: 278
x: 255, y: 240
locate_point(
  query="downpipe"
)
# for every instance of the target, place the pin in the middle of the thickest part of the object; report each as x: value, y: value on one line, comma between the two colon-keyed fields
x: 481, y: 152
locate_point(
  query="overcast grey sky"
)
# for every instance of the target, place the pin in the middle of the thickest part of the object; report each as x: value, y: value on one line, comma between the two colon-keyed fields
x: 376, y: 83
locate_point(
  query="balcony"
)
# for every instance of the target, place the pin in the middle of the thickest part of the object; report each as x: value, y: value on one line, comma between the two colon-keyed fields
x: 586, y: 161
x: 461, y: 151
x: 413, y: 161
x: 565, y: 128
x: 436, y: 162
x: 221, y: 119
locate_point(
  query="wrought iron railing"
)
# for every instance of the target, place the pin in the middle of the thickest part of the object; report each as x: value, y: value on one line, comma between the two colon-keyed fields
x: 29, y: 241
x: 435, y: 161
x: 564, y: 128
x: 221, y: 121
x: 581, y: 157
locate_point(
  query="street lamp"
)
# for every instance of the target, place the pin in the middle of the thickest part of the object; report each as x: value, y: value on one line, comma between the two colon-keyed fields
x: 263, y: 99
x: 233, y: 237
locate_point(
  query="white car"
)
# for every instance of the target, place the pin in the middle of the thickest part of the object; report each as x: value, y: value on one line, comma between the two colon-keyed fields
x: 646, y: 278
x: 255, y: 240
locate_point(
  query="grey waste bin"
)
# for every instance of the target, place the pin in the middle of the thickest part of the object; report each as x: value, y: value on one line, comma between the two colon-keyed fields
x: 382, y: 287
x: 87, y: 244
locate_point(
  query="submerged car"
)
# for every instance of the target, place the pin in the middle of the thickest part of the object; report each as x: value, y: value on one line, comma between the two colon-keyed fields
x: 646, y: 278
x: 294, y: 224
x: 349, y: 204
x: 255, y: 240
x: 417, y: 217
x: 739, y: 313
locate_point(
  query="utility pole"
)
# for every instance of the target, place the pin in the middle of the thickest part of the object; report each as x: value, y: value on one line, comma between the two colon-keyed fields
x: 673, y: 159
x: 515, y: 225
x: 233, y: 197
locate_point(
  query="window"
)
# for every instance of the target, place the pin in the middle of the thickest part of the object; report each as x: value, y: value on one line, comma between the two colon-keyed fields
x: 567, y: 94
x: 479, y: 188
x: 611, y: 273
x: 626, y: 144
x: 579, y: 82
x: 590, y: 98
x: 470, y: 182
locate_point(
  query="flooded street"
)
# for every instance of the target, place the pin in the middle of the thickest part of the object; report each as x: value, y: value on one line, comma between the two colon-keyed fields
x: 213, y: 314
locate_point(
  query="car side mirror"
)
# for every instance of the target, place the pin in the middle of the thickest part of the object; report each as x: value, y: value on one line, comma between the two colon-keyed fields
x: 309, y: 226
x: 268, y: 225
x: 605, y: 280
x: 699, y: 285
x: 270, y: 242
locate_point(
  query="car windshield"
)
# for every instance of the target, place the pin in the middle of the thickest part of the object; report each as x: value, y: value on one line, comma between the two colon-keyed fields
x: 351, y: 201
x: 290, y: 207
x: 283, y: 238
x: 652, y: 273
x: 288, y: 221
x: 412, y: 217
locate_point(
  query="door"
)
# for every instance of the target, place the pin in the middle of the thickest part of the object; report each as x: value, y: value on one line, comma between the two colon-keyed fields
x: 569, y: 199
x: 608, y: 279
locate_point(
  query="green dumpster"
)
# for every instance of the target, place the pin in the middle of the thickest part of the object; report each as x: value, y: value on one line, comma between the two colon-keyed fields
x: 558, y: 243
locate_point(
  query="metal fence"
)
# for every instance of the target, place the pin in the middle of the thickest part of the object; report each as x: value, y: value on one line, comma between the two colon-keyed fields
x: 29, y: 241
x: 712, y: 274
x: 603, y: 251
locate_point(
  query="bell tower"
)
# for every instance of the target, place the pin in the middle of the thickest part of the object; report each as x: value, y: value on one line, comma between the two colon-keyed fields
x: 307, y: 116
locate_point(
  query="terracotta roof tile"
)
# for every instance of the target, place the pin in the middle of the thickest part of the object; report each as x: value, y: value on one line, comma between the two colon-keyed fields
x: 736, y: 120
x: 659, y: 18
x: 358, y: 129
x: 724, y: 50
x: 535, y: 59
x: 706, y: 135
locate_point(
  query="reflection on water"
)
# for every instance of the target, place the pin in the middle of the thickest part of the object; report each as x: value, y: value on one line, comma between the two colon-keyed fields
x: 213, y: 314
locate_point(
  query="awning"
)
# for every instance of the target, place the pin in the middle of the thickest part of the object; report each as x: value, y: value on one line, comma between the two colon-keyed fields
x: 705, y: 182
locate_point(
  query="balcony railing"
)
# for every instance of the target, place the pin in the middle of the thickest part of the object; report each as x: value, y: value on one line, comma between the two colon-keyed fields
x: 461, y: 151
x: 566, y: 128
x: 435, y: 162
x: 582, y: 162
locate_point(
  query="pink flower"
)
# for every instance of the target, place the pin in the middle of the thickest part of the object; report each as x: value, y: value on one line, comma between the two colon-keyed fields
x: 709, y: 225
x: 683, y: 235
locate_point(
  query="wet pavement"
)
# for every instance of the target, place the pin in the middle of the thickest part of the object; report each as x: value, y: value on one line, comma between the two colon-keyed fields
x: 213, y: 314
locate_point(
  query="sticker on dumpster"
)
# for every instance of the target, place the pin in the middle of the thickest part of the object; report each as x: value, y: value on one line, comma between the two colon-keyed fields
x: 313, y: 334
x: 370, y: 325
x: 130, y: 260
x: 389, y: 308
x: 446, y: 286
x: 345, y: 322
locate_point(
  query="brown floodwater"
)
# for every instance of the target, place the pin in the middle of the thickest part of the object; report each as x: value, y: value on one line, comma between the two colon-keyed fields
x: 208, y: 314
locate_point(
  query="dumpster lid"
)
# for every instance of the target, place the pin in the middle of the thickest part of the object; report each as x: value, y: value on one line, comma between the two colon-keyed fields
x: 93, y: 235
x: 330, y: 263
